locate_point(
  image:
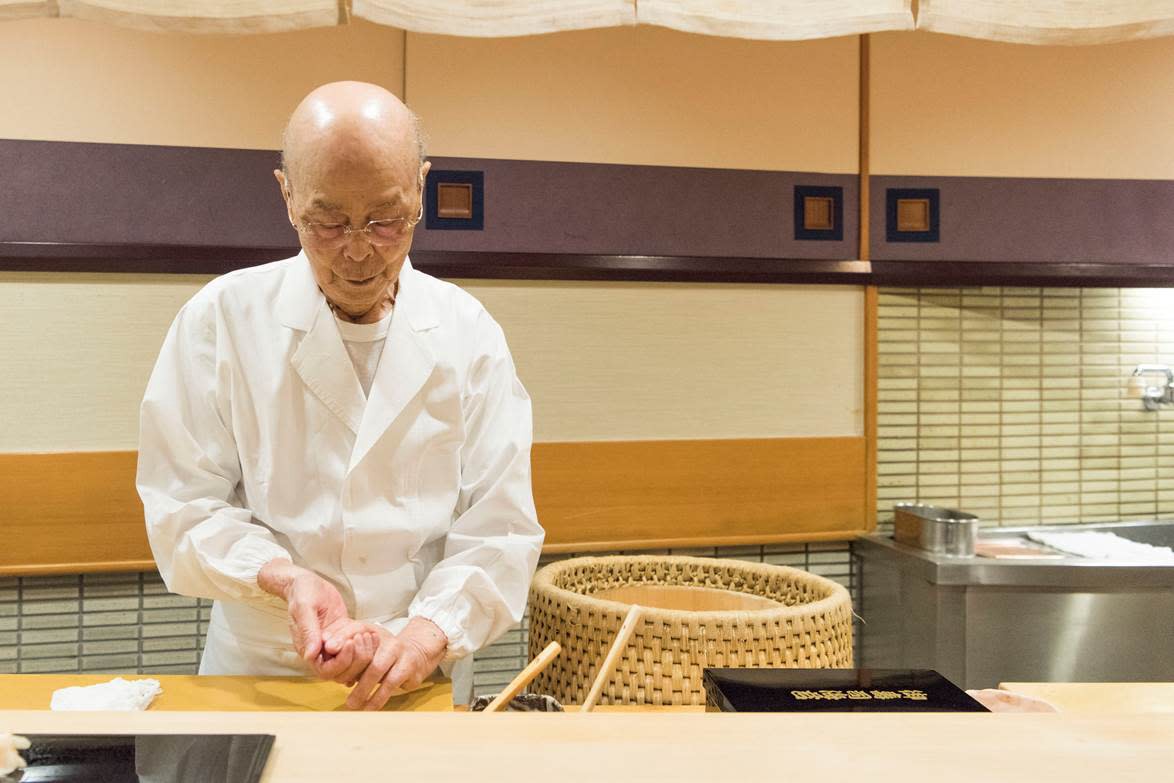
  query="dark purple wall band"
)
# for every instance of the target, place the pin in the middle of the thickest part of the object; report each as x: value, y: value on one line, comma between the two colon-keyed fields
x: 606, y: 209
x: 114, y: 207
x: 1036, y: 221
x: 140, y: 195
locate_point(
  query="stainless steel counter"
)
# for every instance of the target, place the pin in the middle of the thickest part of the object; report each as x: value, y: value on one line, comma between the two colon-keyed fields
x: 981, y: 620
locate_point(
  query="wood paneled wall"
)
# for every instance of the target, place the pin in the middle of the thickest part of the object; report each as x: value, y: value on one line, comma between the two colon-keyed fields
x: 78, y: 511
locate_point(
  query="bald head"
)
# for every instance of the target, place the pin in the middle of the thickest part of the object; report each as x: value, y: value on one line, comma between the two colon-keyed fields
x: 347, y: 123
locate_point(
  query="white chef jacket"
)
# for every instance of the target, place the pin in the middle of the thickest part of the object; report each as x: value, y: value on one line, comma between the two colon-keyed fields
x: 257, y: 442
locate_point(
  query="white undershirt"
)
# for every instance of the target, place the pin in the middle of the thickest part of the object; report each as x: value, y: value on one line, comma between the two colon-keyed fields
x: 364, y: 344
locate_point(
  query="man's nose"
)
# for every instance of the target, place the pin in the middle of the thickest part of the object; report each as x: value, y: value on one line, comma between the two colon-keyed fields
x: 357, y: 246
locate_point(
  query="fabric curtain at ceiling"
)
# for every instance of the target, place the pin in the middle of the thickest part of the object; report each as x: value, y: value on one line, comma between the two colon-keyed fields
x: 496, y: 18
x: 1017, y: 21
x: 777, y: 20
x: 190, y: 16
x: 1049, y: 21
x: 20, y: 9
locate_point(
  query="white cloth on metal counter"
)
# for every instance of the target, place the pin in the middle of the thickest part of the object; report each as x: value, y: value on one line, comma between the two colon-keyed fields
x: 1104, y: 546
x: 118, y: 694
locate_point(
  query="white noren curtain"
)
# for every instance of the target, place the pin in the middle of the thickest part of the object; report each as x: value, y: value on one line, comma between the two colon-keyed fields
x: 777, y: 20
x: 188, y: 16
x: 19, y: 9
x: 496, y: 18
x: 1049, y: 21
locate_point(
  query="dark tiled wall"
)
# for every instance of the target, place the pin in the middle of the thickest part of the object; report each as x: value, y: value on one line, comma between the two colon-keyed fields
x: 124, y: 623
x: 1011, y: 403
x: 130, y: 624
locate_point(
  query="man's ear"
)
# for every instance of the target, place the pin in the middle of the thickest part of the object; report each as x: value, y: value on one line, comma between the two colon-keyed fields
x: 283, y: 183
x: 424, y: 171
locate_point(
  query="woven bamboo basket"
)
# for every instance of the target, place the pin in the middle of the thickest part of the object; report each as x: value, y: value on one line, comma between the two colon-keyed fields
x: 697, y: 613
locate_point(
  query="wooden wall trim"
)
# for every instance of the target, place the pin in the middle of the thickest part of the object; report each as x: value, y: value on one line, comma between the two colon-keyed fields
x: 654, y: 494
x: 871, y: 364
x: 953, y: 274
x: 184, y: 259
x: 870, y: 292
x: 863, y: 121
x: 29, y: 257
x: 71, y: 512
x: 78, y: 512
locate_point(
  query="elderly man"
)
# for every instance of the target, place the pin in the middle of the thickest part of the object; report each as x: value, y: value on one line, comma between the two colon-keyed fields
x: 336, y: 447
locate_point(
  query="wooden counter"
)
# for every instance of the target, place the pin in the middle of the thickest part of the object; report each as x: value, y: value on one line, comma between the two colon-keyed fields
x: 666, y: 744
x: 434, y: 747
x: 221, y: 694
x: 1093, y: 698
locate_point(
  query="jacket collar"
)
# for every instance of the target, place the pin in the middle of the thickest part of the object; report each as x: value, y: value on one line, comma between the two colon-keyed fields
x: 300, y: 299
x: 324, y: 366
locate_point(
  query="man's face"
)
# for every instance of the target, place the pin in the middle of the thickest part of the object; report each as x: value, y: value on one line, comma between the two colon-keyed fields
x: 351, y: 188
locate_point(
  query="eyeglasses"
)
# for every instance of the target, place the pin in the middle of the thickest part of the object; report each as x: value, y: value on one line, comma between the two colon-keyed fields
x: 378, y: 232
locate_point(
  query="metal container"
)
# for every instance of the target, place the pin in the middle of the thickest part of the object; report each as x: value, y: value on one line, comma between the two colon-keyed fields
x: 935, y: 529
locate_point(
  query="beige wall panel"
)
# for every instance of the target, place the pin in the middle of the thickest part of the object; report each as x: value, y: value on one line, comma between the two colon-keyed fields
x: 70, y: 80
x: 639, y: 95
x: 617, y: 361
x: 607, y: 361
x: 603, y: 361
x: 943, y: 105
x: 76, y: 353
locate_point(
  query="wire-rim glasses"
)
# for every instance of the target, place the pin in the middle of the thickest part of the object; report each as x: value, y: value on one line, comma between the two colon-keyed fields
x: 388, y: 231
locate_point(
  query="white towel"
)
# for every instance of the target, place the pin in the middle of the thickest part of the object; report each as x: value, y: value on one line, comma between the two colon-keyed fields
x: 10, y: 760
x: 118, y: 694
x: 1104, y: 546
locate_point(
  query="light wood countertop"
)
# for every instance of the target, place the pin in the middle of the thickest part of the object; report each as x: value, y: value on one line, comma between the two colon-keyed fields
x: 1092, y: 698
x: 628, y: 742
x: 434, y: 747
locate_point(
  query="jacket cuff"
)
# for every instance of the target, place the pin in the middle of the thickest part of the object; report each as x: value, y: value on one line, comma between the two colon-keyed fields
x: 253, y: 553
x: 450, y: 619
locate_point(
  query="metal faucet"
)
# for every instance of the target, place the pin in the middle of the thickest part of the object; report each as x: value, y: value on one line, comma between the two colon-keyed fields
x: 1153, y: 395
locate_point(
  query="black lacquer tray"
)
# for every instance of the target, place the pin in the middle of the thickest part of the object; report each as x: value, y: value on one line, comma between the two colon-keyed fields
x: 145, y: 758
x: 834, y: 690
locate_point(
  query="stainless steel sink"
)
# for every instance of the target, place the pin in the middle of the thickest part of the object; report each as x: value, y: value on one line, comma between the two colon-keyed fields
x: 980, y: 621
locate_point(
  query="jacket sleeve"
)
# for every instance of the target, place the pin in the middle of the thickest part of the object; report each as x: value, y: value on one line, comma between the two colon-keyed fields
x: 205, y: 543
x: 479, y: 589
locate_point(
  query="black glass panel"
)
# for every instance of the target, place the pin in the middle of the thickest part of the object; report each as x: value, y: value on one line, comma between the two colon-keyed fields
x: 149, y: 758
x: 834, y: 690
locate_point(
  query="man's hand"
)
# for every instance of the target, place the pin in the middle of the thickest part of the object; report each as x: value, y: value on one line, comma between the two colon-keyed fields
x: 402, y: 661
x: 347, y: 649
x: 314, y: 604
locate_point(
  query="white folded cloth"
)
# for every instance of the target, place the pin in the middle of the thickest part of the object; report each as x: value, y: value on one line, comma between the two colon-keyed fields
x: 10, y: 760
x: 118, y: 694
x: 1104, y: 546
